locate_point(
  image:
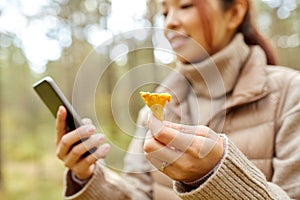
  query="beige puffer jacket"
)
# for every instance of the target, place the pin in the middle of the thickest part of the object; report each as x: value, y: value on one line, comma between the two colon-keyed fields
x: 261, y: 119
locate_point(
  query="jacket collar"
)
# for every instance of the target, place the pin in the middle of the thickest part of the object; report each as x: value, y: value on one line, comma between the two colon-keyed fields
x: 216, y: 76
x: 250, y: 85
x: 252, y: 82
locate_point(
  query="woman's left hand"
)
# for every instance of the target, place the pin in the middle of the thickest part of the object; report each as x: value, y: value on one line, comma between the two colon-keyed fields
x: 184, y: 153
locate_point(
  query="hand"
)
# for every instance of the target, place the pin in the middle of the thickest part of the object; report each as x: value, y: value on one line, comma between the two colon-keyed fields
x: 71, y: 152
x: 184, y: 153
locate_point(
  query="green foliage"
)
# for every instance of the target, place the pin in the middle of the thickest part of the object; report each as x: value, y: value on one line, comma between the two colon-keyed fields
x: 29, y: 166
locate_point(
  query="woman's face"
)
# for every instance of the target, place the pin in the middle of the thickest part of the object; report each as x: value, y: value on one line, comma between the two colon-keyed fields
x: 194, y: 35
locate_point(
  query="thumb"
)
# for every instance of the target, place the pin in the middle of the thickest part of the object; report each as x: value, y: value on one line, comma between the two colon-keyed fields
x: 154, y: 124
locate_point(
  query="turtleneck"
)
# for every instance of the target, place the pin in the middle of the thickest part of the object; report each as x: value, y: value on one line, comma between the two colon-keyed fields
x: 216, y: 75
x: 213, y: 79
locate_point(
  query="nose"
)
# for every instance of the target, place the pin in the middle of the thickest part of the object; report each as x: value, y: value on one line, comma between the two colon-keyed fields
x: 172, y: 21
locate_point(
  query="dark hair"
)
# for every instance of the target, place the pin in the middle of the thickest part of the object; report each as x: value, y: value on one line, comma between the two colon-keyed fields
x: 247, y: 27
x: 250, y: 32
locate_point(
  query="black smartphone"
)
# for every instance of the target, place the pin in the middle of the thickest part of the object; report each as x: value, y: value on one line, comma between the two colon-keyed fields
x: 53, y: 97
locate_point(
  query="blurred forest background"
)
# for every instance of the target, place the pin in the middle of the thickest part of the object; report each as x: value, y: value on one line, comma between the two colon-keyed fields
x: 60, y: 38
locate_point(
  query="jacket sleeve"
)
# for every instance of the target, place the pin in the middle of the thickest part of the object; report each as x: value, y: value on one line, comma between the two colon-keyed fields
x: 235, y: 178
x: 134, y: 183
x: 238, y: 178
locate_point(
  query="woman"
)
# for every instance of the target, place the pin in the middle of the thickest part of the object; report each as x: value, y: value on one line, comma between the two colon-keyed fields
x: 254, y: 110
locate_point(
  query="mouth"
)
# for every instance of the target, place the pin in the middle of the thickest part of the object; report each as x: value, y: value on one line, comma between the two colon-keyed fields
x: 177, y: 40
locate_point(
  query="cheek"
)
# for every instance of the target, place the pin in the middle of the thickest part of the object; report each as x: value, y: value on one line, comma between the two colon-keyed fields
x: 202, y: 41
x: 201, y: 36
x: 219, y: 34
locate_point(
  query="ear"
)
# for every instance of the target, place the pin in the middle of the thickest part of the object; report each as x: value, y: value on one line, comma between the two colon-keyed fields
x: 236, y: 14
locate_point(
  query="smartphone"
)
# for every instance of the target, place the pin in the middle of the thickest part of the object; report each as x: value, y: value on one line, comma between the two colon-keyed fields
x: 53, y: 97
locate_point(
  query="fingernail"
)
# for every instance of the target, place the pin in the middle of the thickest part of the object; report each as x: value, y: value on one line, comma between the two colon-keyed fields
x: 90, y: 129
x: 156, y: 126
x: 60, y: 110
x: 105, y: 147
x: 100, y: 137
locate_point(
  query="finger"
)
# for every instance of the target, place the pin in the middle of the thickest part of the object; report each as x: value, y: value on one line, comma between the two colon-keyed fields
x: 86, y: 162
x: 157, y: 163
x: 169, y: 136
x: 167, y: 168
x: 199, y: 130
x: 101, y: 152
x: 68, y: 140
x: 85, y: 167
x: 154, y: 148
x: 77, y: 151
x: 61, y: 125
x: 195, y: 144
x: 208, y: 146
x: 157, y: 125
x: 194, y: 130
x: 154, y: 124
x: 86, y: 121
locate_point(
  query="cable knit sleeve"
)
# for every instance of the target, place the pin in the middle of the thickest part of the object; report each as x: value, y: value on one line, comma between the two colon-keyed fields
x: 235, y: 178
x: 134, y: 183
x: 106, y: 184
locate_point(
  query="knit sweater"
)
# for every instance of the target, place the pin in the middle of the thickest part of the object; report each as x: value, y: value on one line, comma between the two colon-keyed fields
x: 259, y: 114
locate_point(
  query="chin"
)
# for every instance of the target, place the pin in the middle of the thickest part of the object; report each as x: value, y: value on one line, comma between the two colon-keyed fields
x: 189, y: 60
x: 191, y: 55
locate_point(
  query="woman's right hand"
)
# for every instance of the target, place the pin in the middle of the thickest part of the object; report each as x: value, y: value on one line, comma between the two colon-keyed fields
x: 71, y: 153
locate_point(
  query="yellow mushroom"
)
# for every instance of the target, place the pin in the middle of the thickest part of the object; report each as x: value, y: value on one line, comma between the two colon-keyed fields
x: 156, y: 102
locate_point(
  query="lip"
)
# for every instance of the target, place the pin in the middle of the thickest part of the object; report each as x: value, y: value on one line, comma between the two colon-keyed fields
x: 176, y: 40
